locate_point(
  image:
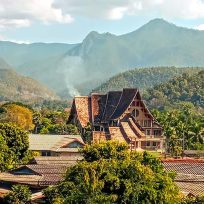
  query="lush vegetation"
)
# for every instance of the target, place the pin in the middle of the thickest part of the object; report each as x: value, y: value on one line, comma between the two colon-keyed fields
x: 39, y: 121
x: 182, y: 88
x: 53, y: 122
x: 13, y: 145
x: 194, y: 200
x: 110, y: 173
x: 182, y: 127
x: 18, y: 114
x: 143, y: 78
x: 19, y: 194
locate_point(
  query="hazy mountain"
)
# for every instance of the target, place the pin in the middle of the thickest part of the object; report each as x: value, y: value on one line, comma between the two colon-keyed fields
x: 143, y: 78
x: 14, y: 87
x: 70, y: 69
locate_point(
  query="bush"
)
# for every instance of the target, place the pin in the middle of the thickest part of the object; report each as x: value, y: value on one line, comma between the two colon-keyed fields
x: 20, y: 194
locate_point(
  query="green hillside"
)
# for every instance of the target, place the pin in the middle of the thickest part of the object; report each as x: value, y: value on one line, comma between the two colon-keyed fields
x: 14, y: 87
x: 185, y: 88
x: 143, y: 78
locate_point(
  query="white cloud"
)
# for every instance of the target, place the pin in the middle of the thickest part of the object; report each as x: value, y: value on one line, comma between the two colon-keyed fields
x: 200, y: 27
x: 21, y: 13
x: 14, y: 23
x: 112, y: 9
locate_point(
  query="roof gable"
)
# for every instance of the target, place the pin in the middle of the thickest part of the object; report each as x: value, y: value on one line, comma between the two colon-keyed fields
x: 25, y: 170
x: 73, y: 144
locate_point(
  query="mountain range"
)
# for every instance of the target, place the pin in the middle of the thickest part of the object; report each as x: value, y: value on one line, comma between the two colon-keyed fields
x: 71, y: 69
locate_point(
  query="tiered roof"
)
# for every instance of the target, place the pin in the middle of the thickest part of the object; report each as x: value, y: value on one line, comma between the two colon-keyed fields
x: 99, y: 108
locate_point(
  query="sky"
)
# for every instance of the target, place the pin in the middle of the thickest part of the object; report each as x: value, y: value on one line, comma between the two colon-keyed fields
x: 69, y: 21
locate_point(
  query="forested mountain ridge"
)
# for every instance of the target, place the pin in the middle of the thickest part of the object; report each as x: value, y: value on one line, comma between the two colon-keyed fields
x: 185, y: 88
x: 15, y: 87
x: 78, y: 68
x: 143, y: 78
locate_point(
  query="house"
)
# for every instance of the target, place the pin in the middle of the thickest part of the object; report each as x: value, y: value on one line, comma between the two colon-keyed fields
x: 56, y: 145
x: 189, y: 174
x: 41, y: 172
x: 118, y: 115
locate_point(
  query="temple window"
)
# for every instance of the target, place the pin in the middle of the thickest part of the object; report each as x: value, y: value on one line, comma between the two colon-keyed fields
x: 147, y: 123
x: 154, y: 144
x: 157, y: 132
x: 135, y: 113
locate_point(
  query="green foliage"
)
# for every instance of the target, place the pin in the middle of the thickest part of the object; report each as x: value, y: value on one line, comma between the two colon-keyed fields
x: 193, y: 200
x: 17, y: 114
x: 19, y: 194
x: 13, y: 145
x: 87, y: 135
x: 110, y: 173
x: 53, y: 122
x: 188, y: 88
x: 183, y: 123
x: 143, y: 78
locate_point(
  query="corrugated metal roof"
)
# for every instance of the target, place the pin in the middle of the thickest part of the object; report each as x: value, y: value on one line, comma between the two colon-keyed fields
x: 190, y: 175
x: 51, y: 142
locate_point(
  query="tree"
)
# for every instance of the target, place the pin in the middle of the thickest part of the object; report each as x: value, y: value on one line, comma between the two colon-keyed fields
x: 13, y: 145
x: 17, y: 114
x: 193, y: 200
x: 183, y: 127
x: 110, y: 173
x: 19, y: 194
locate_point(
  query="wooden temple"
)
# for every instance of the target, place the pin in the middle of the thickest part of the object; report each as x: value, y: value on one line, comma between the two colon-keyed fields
x: 118, y: 115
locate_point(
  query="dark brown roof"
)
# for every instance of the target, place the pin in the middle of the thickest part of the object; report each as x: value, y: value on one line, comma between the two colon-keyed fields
x: 98, y: 103
x: 112, y: 101
x: 125, y: 100
x: 39, y: 175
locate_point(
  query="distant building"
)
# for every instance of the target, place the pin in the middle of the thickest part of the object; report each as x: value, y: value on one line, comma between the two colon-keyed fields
x: 56, y: 145
x: 118, y: 115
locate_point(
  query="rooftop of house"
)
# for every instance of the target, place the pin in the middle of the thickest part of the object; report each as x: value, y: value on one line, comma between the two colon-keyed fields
x: 104, y: 107
x: 35, y: 175
x: 41, y: 172
x: 189, y: 174
x: 56, y: 143
x: 60, y: 160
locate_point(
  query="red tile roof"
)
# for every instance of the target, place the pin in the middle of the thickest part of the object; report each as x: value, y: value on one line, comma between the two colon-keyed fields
x: 82, y: 108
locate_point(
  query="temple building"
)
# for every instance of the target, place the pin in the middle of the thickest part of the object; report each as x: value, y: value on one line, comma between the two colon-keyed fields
x: 118, y: 115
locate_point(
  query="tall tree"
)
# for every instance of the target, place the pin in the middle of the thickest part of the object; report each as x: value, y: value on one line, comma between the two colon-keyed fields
x: 13, y: 146
x: 110, y: 173
x: 17, y: 114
